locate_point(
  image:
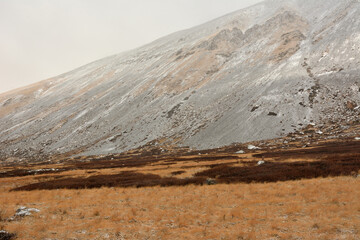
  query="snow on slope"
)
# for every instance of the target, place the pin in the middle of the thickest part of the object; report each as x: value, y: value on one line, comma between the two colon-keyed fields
x: 257, y: 73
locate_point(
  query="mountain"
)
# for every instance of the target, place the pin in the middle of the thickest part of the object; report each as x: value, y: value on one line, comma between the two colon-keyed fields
x: 258, y: 73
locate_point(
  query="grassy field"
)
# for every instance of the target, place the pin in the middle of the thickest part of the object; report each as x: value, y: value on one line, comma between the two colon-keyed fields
x: 298, y: 193
x: 307, y: 209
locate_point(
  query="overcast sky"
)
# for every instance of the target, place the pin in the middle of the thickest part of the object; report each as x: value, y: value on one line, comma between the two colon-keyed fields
x: 40, y: 39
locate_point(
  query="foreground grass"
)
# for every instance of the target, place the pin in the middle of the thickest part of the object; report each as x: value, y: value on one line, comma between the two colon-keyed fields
x: 306, y: 209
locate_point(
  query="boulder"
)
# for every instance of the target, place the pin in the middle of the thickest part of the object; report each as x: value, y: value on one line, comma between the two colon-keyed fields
x: 210, y: 181
x: 4, y: 235
x: 260, y: 163
x: 24, y: 211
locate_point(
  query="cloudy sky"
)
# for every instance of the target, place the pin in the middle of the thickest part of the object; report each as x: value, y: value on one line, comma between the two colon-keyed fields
x: 40, y: 39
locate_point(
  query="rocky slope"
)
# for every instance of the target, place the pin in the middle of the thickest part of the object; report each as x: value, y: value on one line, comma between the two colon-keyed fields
x: 258, y: 73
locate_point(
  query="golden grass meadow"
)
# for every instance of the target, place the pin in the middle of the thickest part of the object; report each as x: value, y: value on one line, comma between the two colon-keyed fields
x: 298, y: 193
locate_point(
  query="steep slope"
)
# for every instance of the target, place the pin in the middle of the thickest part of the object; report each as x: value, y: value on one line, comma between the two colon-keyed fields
x: 257, y: 73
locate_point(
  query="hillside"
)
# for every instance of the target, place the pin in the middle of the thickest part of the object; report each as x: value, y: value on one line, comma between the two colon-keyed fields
x: 258, y: 73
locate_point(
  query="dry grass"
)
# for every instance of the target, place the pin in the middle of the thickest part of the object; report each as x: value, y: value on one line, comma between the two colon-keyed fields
x: 307, y: 209
x: 312, y: 194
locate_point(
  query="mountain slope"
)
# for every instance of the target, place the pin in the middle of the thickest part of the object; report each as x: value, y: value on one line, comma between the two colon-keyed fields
x: 257, y: 73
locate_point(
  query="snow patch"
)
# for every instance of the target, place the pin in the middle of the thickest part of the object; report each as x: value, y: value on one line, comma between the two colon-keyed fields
x: 24, y: 211
x: 326, y: 73
x: 38, y: 92
x: 252, y: 147
x: 43, y: 170
x: 81, y: 114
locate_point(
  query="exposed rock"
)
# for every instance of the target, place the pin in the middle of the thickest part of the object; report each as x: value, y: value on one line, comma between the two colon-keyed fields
x: 210, y: 181
x: 23, y: 212
x: 289, y: 46
x: 4, y: 235
x: 272, y: 114
x: 254, y: 108
x: 261, y: 162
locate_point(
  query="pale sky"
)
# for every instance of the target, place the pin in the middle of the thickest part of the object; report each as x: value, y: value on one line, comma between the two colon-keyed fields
x: 40, y: 39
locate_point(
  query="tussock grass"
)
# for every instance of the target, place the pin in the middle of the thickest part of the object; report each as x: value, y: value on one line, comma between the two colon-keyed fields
x: 306, y: 209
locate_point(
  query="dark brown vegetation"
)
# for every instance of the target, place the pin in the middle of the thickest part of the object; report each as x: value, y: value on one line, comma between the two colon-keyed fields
x: 124, y: 179
x: 274, y: 172
x: 328, y: 150
x: 6, y: 236
x: 328, y: 159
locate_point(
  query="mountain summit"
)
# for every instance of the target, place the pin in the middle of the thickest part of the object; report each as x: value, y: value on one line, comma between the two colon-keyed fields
x: 258, y: 73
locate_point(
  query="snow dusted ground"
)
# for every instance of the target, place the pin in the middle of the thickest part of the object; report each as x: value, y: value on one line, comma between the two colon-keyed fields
x: 257, y: 73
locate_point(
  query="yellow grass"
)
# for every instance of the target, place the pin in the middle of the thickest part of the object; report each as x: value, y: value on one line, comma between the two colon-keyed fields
x: 307, y: 209
x: 322, y: 208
